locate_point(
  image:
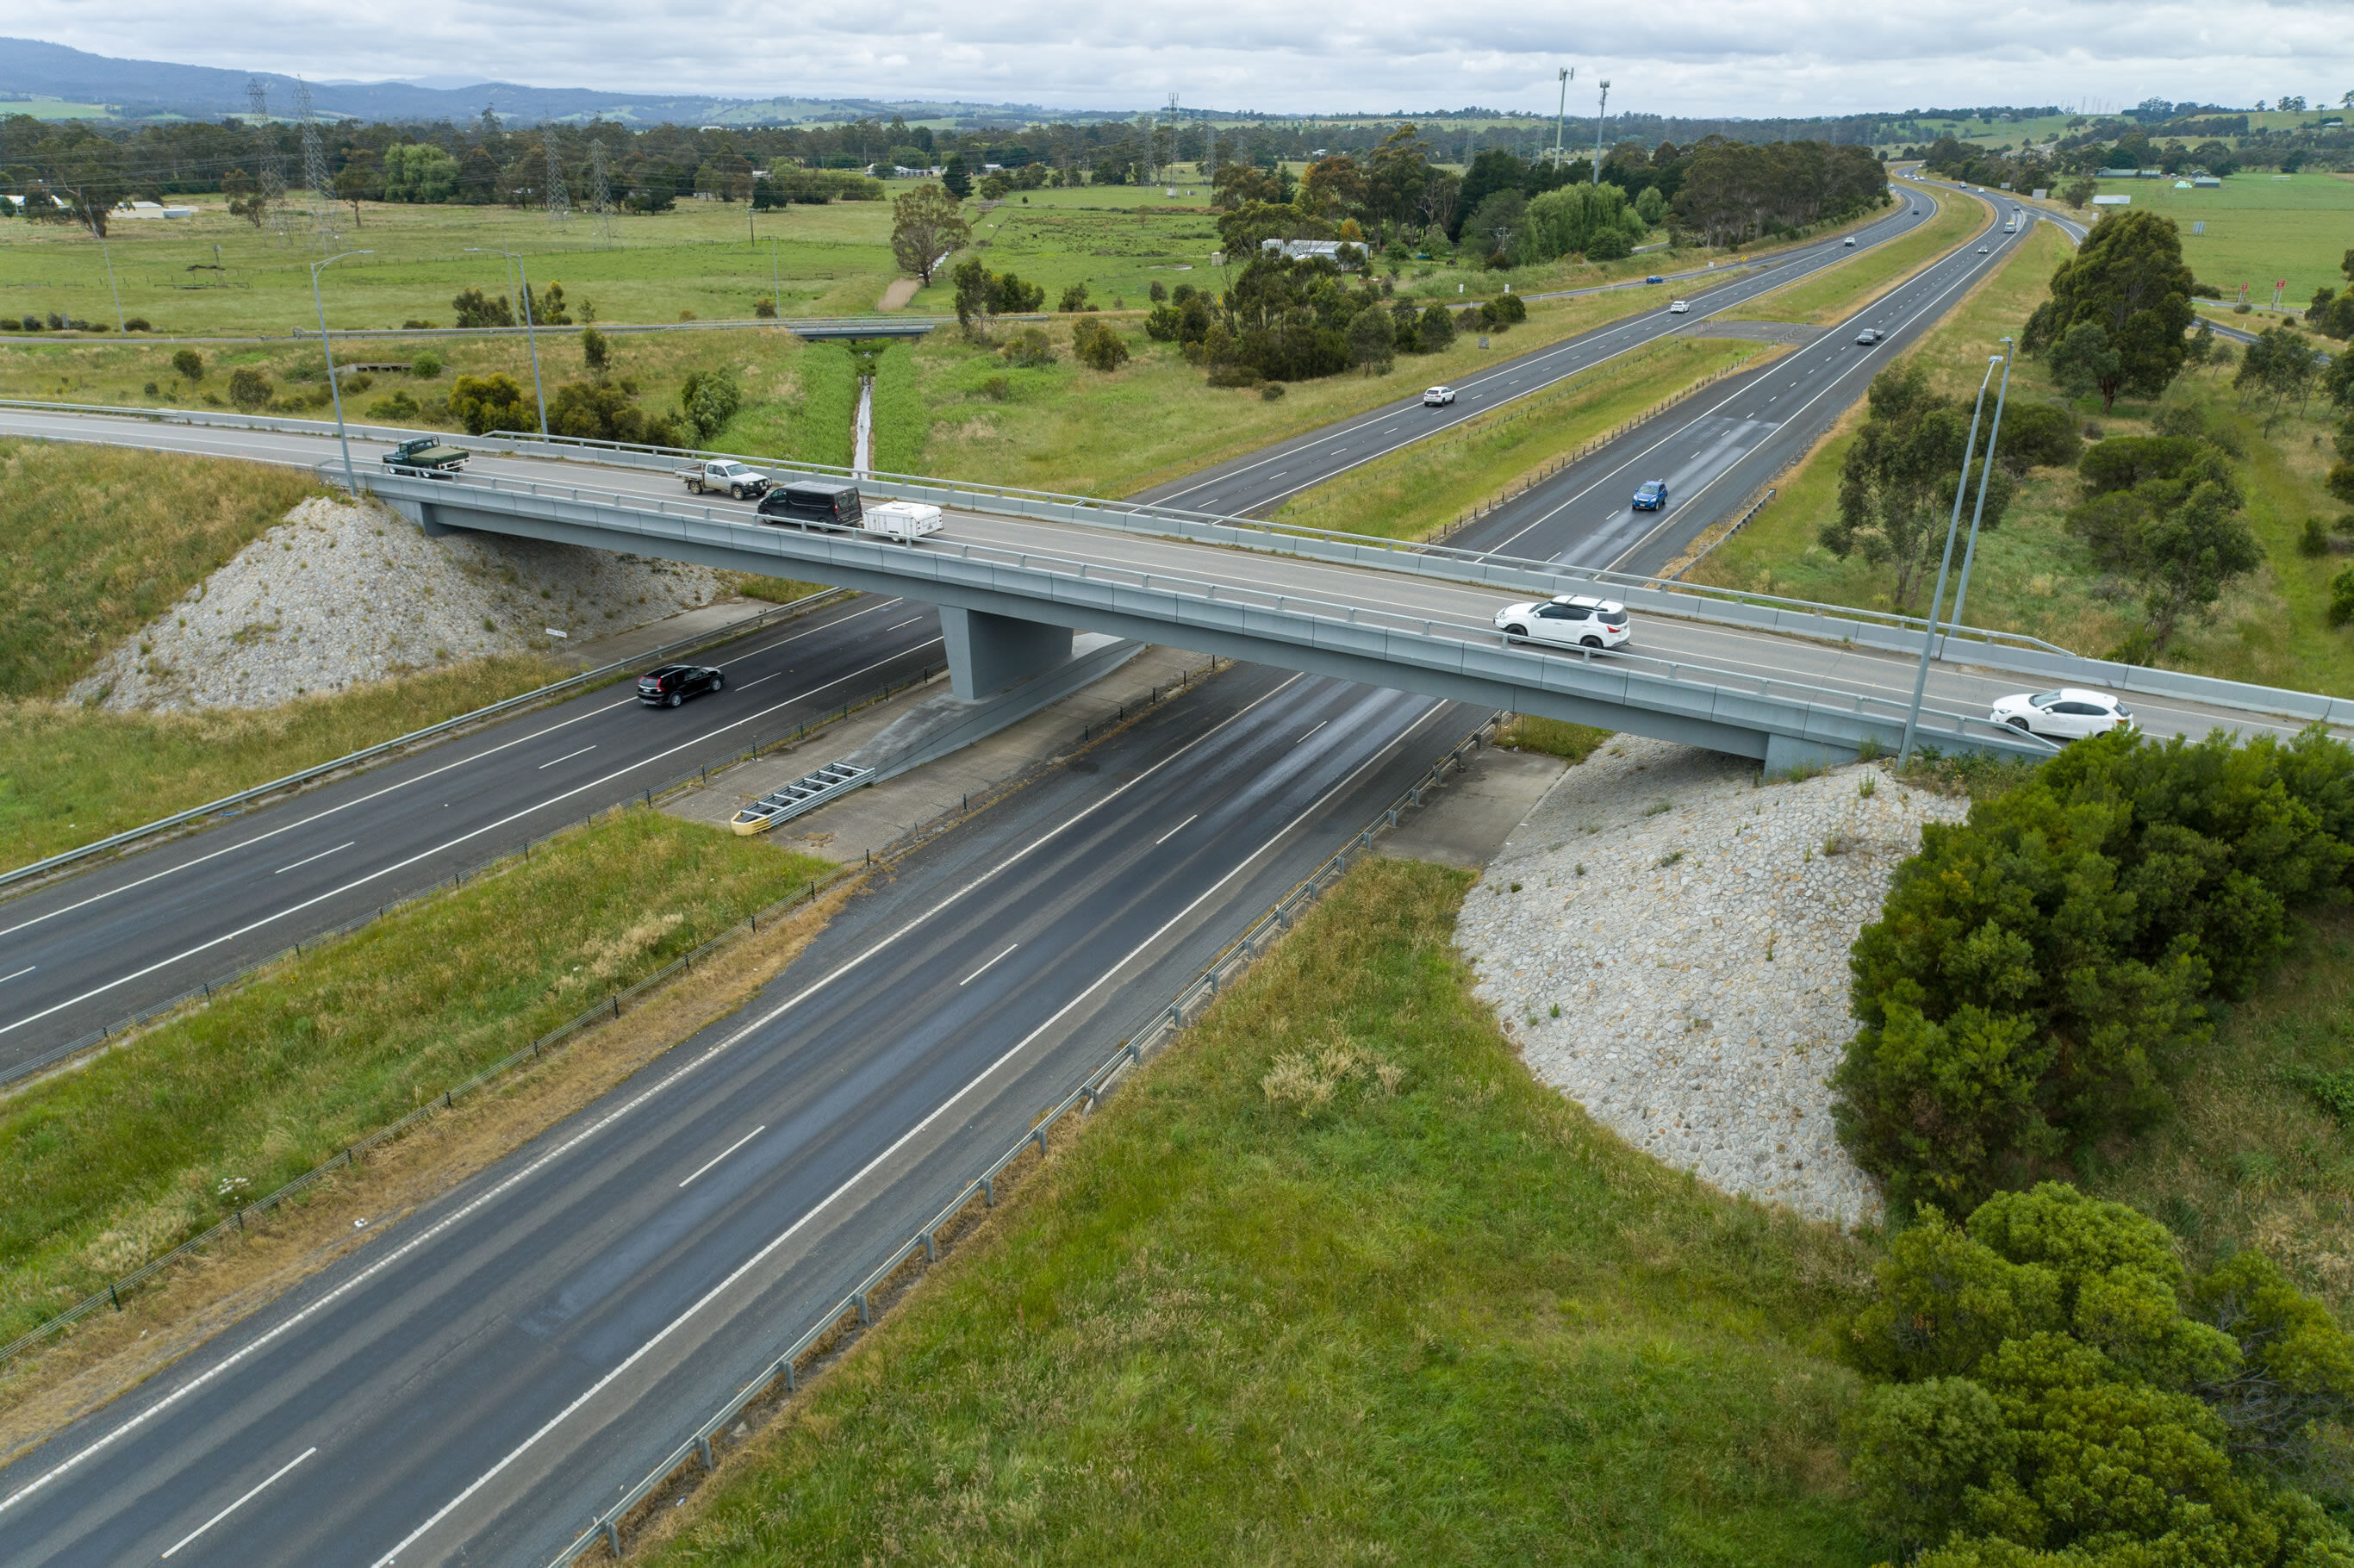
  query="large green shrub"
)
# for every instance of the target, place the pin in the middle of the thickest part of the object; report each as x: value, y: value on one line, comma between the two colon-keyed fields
x: 2054, y: 1388
x: 2039, y: 971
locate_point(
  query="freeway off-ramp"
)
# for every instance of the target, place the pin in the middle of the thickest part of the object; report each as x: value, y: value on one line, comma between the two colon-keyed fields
x: 488, y: 1372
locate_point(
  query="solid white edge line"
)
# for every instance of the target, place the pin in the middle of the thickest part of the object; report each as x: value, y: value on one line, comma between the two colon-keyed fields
x: 726, y: 1151
x: 898, y: 1143
x: 986, y: 967
x: 439, y: 848
x: 616, y: 1114
x: 404, y: 783
x: 242, y: 1501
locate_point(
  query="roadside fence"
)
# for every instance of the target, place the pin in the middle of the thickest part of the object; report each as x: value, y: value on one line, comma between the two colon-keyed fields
x: 697, y: 1454
x: 1538, y: 475
x: 612, y: 1006
x: 570, y: 684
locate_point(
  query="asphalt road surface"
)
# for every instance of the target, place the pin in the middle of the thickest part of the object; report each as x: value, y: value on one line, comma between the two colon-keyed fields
x: 486, y: 1374
x: 1255, y: 484
x: 85, y: 951
x: 477, y: 1382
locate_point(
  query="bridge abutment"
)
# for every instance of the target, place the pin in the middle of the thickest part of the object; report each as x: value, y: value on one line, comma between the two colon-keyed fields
x: 988, y: 654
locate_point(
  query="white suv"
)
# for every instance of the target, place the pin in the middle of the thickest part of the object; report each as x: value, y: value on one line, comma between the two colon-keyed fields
x: 1678, y: 307
x: 1438, y: 396
x: 1574, y: 620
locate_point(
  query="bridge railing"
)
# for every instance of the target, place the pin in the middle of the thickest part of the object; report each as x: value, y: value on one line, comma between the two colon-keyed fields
x: 1684, y: 687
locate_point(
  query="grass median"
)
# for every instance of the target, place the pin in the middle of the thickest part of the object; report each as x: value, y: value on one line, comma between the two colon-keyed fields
x: 109, y: 1166
x: 1837, y: 292
x: 1335, y: 1281
x: 1415, y: 491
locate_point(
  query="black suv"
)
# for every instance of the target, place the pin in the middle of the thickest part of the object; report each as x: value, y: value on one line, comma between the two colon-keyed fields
x: 674, y: 684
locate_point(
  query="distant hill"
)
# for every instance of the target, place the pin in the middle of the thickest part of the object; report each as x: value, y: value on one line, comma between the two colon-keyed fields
x: 138, y: 89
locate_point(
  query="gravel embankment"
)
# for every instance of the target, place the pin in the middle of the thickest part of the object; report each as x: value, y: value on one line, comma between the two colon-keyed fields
x: 341, y: 594
x: 1691, y: 930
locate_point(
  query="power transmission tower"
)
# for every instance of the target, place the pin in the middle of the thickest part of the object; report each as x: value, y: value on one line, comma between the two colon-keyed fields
x: 559, y: 202
x: 270, y: 176
x: 314, y: 169
x: 602, y: 195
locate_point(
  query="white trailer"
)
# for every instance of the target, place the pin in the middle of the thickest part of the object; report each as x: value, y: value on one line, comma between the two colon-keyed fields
x: 905, y: 521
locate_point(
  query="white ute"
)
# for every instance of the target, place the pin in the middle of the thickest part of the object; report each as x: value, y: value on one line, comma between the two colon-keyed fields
x: 743, y: 483
x: 1572, y: 619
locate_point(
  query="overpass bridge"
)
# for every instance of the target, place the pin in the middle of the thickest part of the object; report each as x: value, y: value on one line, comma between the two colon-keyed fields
x: 1016, y: 573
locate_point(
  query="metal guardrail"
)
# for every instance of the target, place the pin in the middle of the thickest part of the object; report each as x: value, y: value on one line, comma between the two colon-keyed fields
x: 208, y: 989
x: 582, y: 681
x: 1690, y: 688
x: 1191, y: 999
x: 806, y: 793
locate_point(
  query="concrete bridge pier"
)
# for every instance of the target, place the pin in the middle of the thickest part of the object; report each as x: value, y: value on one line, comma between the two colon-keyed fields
x: 990, y: 653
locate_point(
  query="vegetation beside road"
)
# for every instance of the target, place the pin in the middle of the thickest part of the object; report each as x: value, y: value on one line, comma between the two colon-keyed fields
x: 101, y: 540
x: 71, y: 775
x: 1837, y: 292
x: 1413, y: 493
x: 1336, y: 1281
x: 108, y: 1166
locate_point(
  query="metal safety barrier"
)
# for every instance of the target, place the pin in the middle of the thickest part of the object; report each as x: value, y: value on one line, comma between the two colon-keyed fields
x: 806, y: 793
x: 859, y: 1307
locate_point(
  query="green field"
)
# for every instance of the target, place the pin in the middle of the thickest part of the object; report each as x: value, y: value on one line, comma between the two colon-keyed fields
x: 109, y: 1166
x: 56, y: 109
x: 2260, y: 227
x: 1336, y: 1281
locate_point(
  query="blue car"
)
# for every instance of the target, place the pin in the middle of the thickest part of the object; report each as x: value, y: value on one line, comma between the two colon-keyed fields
x: 1655, y: 278
x: 1652, y: 496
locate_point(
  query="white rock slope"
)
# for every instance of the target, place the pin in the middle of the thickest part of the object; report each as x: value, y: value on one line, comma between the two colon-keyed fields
x: 1675, y: 958
x: 340, y: 594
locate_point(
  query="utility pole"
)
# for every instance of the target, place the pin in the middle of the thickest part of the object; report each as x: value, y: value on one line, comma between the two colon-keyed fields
x: 1599, y: 112
x: 97, y: 232
x: 530, y: 336
x: 1944, y: 565
x: 1560, y: 113
x: 351, y: 480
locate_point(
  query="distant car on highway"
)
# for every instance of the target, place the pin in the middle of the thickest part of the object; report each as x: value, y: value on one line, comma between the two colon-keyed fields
x: 674, y: 684
x: 1438, y: 396
x: 1982, y: 249
x: 426, y: 455
x: 1868, y: 336
x: 1848, y: 240
x: 1652, y: 496
x: 1655, y: 278
x: 1572, y: 621
x: 1678, y: 307
x: 2065, y: 713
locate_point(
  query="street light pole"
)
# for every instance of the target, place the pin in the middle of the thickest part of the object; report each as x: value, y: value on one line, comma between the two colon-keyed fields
x: 530, y: 336
x: 1560, y: 113
x: 1970, y: 550
x: 334, y: 388
x: 1952, y: 525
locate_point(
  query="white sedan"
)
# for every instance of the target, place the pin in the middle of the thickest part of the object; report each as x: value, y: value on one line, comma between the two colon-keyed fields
x: 1679, y: 307
x: 1574, y: 620
x: 2066, y: 713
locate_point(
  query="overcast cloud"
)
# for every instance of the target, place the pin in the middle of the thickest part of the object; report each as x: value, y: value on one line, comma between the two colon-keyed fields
x: 1669, y: 57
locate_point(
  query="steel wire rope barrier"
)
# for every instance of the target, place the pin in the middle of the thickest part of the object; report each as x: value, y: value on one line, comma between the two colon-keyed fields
x: 584, y: 680
x: 913, y: 839
x: 1221, y: 970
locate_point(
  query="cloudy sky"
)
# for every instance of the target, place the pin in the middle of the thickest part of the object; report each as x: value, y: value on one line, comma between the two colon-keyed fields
x: 1688, y: 57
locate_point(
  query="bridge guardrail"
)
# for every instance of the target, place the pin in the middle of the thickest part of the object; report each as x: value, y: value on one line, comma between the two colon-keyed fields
x: 1394, y: 637
x: 1221, y: 970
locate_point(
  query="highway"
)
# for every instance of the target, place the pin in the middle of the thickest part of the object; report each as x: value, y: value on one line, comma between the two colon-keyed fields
x: 139, y: 930
x: 473, y: 1384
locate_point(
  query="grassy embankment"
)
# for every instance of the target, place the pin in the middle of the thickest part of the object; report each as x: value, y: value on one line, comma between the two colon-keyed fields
x: 104, y: 541
x: 1837, y: 292
x: 2031, y: 576
x: 1413, y: 493
x: 106, y: 1167
x: 1336, y: 1281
